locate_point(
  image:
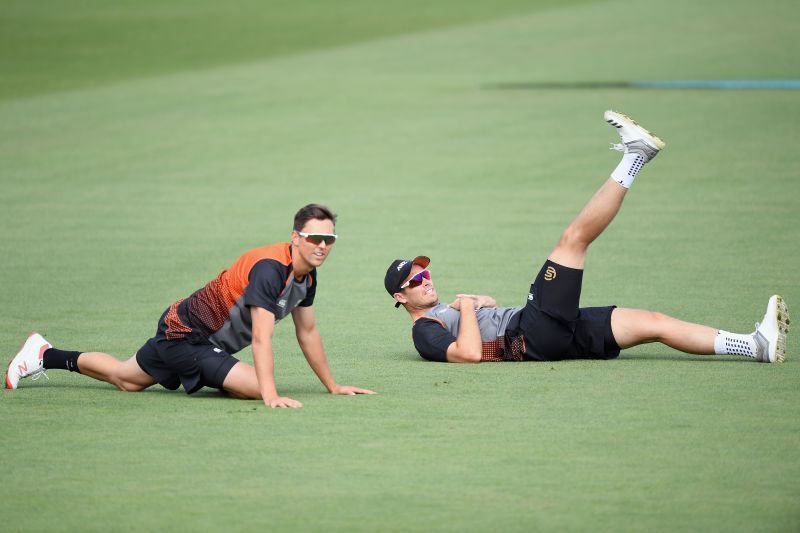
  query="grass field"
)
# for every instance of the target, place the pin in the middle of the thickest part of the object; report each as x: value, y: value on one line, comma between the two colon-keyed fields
x: 145, y: 145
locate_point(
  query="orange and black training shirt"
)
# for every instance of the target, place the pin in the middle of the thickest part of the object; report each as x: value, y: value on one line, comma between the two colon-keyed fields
x: 219, y: 313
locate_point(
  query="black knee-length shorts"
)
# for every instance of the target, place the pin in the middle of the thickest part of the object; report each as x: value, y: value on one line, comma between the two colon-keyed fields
x: 173, y: 363
x: 553, y: 325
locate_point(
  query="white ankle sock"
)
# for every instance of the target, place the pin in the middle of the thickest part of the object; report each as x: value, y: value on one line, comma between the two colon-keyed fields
x: 627, y: 169
x: 727, y: 343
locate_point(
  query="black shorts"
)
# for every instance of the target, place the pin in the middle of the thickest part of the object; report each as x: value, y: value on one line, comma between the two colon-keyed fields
x: 553, y: 325
x: 173, y: 363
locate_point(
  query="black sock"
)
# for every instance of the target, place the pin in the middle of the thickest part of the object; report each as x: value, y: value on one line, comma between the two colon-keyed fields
x: 54, y: 358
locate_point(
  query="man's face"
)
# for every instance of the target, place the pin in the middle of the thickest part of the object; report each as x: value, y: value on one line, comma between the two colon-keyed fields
x: 309, y: 254
x: 420, y: 296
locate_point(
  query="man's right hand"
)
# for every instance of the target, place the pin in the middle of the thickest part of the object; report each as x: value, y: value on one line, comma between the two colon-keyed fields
x: 457, y: 303
x: 283, y: 401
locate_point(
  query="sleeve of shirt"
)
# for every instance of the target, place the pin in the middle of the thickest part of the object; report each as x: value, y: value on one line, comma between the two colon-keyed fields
x: 265, y: 286
x: 312, y: 291
x: 431, y: 339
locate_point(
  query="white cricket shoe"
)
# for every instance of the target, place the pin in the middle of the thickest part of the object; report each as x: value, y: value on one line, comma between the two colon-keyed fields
x: 28, y: 361
x: 770, y: 335
x: 635, y: 139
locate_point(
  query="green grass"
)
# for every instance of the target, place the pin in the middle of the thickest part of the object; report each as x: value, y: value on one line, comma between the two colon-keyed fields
x: 132, y: 177
x: 58, y: 44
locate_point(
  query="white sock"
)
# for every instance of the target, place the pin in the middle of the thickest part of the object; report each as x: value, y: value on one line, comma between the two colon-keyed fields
x: 627, y: 169
x: 727, y: 343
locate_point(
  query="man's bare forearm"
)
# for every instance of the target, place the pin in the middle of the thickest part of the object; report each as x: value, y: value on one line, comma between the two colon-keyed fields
x: 468, y: 346
x: 310, y: 342
x: 264, y: 361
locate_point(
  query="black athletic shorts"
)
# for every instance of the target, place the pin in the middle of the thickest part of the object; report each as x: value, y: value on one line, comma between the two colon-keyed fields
x: 173, y: 363
x: 553, y: 325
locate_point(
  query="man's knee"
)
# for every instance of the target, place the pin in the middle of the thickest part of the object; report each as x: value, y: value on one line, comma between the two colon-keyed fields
x: 570, y: 250
x: 573, y: 239
x: 655, y: 321
x: 127, y: 386
x: 130, y: 379
x: 128, y: 376
x: 640, y: 324
x: 241, y: 382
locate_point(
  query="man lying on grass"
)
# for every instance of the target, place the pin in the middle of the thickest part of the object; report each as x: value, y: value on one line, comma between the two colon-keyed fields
x: 551, y: 326
x: 196, y: 336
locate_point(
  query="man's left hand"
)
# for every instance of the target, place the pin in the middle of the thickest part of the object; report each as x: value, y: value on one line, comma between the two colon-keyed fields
x: 347, y: 390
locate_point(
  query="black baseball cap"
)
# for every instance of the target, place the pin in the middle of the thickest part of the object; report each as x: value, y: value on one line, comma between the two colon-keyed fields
x: 399, y: 270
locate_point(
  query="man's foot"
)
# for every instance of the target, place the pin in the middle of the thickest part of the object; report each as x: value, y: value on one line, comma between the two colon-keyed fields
x: 28, y: 361
x: 635, y: 139
x: 770, y: 335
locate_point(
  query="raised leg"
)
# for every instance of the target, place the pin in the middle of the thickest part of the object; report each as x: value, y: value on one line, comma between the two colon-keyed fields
x: 639, y: 146
x: 588, y: 225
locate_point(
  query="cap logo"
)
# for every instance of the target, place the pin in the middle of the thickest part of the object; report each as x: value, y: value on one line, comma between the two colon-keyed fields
x: 401, y: 265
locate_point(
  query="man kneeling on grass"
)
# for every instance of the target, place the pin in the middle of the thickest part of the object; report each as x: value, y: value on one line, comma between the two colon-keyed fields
x: 196, y: 336
x: 551, y: 326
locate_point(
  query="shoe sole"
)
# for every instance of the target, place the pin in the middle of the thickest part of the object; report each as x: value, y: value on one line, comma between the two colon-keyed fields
x: 615, y: 118
x: 782, y: 317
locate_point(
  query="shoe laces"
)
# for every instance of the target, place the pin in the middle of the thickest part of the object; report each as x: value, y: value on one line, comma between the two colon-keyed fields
x: 38, y: 374
x: 619, y: 147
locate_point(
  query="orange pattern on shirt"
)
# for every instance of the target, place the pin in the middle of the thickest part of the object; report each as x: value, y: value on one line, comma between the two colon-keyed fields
x: 212, y: 304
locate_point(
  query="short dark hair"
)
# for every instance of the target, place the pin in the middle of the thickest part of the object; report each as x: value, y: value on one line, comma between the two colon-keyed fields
x: 313, y: 211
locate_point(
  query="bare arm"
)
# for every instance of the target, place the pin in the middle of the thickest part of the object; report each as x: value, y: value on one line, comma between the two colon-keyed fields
x: 310, y: 341
x: 468, y: 346
x: 264, y: 360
